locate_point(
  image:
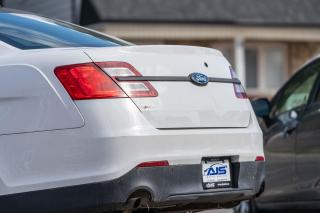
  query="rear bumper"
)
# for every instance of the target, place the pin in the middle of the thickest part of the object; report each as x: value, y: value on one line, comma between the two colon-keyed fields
x: 175, y: 186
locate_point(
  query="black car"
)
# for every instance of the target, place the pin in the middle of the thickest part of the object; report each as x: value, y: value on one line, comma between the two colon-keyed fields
x: 291, y: 126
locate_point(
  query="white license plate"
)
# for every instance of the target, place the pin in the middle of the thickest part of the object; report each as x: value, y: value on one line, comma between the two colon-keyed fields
x: 216, y: 174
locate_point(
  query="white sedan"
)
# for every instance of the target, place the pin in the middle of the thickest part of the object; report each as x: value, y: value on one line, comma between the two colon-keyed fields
x: 90, y: 122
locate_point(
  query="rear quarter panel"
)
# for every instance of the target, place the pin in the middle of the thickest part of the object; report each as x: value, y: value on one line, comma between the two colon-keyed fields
x: 31, y: 97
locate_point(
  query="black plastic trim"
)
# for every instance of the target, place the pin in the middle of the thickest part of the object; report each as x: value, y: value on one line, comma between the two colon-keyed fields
x: 174, y: 78
x: 173, y: 185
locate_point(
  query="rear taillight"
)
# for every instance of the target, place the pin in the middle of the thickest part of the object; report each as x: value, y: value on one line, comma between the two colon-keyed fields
x: 238, y: 88
x: 131, y: 88
x: 154, y: 164
x: 91, y: 81
x: 87, y: 81
x: 259, y: 158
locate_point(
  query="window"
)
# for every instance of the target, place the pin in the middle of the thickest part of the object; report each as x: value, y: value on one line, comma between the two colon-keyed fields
x: 25, y: 31
x: 296, y: 93
x: 251, y: 67
x: 266, y: 66
x: 274, y: 67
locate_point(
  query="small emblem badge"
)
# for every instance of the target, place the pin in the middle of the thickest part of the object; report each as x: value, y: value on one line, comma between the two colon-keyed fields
x: 199, y: 79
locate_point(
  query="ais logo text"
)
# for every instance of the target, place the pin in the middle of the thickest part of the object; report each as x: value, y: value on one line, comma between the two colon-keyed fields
x: 218, y: 170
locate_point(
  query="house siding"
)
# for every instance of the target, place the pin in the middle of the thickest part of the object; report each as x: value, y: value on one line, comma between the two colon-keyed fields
x: 300, y: 52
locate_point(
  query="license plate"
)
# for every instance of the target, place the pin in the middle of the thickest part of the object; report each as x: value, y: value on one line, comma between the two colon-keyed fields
x: 216, y: 173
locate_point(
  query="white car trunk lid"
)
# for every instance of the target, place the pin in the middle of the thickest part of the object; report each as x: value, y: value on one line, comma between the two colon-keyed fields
x: 180, y: 103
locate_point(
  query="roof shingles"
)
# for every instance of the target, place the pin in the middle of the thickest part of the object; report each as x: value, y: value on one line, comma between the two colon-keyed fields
x: 247, y: 12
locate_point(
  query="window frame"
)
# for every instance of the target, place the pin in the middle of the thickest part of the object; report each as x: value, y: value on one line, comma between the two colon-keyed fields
x: 261, y: 62
x: 311, y: 97
x: 315, y: 91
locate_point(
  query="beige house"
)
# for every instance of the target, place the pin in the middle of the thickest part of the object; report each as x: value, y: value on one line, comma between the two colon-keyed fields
x: 263, y: 57
x: 265, y: 40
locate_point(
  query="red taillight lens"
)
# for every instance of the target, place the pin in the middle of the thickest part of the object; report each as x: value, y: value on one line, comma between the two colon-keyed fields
x: 154, y: 164
x: 238, y: 88
x: 87, y: 81
x: 131, y: 88
x: 259, y: 158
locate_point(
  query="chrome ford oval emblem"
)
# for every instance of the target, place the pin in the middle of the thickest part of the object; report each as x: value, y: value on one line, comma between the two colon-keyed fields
x: 199, y: 79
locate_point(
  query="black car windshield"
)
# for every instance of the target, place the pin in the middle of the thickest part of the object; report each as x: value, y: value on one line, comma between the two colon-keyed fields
x: 27, y: 31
